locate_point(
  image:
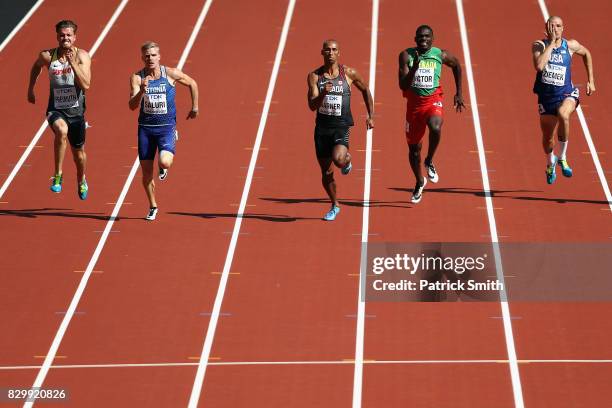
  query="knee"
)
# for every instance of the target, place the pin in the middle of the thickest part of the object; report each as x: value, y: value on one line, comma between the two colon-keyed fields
x: 414, y: 151
x: 564, y: 115
x: 165, y: 162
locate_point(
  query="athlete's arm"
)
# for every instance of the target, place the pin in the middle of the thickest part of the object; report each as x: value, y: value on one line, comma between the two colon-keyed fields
x: 44, y: 58
x: 406, y: 74
x: 579, y: 49
x: 453, y: 62
x: 541, y: 54
x: 81, y: 66
x: 315, y: 98
x: 358, y: 81
x: 182, y: 78
x: 137, y: 90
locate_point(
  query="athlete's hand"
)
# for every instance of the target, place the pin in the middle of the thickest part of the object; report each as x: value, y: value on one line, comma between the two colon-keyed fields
x: 144, y: 83
x: 32, y: 97
x: 458, y: 103
x: 71, y: 56
x: 328, y: 88
x: 415, y: 59
x: 590, y: 88
x: 369, y: 123
x: 550, y: 32
x: 192, y: 114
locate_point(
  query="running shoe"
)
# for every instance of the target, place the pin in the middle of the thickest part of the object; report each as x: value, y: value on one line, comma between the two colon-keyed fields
x: 566, y: 170
x: 56, y: 183
x: 83, y: 189
x: 417, y: 193
x: 152, y: 214
x: 163, y: 173
x: 331, y: 214
x: 432, y: 174
x: 551, y: 175
x: 346, y: 169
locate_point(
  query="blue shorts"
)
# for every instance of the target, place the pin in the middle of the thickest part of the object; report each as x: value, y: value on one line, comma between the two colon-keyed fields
x: 154, y: 138
x: 550, y: 105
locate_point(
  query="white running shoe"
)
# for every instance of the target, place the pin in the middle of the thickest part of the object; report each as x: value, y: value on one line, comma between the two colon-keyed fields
x: 417, y: 193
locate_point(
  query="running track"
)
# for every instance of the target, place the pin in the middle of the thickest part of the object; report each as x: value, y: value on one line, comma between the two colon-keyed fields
x: 286, y: 331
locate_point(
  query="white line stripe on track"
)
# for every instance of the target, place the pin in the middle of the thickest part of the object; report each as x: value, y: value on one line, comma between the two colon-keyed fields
x: 512, y: 363
x: 586, y: 132
x: 314, y: 362
x: 44, y: 125
x: 21, y: 24
x: 365, y: 224
x: 214, y: 318
x: 109, y: 225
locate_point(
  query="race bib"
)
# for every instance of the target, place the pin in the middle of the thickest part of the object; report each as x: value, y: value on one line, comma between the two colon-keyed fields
x: 424, y: 78
x: 65, y: 98
x: 331, y: 106
x: 554, y: 75
x: 155, y: 104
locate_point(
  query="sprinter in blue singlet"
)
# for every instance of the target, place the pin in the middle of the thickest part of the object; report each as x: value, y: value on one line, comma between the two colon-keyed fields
x: 557, y: 96
x: 153, y: 90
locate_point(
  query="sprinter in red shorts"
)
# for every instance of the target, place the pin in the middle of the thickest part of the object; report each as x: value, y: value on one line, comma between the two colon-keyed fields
x: 419, y: 79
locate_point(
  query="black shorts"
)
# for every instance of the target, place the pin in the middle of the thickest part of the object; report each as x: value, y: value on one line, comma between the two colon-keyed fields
x: 326, y: 138
x: 76, y: 127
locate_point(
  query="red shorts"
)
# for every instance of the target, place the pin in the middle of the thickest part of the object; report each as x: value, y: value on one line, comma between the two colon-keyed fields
x: 418, y: 110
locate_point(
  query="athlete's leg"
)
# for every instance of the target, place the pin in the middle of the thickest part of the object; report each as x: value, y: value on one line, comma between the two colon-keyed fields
x: 564, y: 112
x: 327, y: 178
x: 147, y: 181
x: 434, y: 123
x: 548, y: 124
x: 80, y: 160
x: 60, y: 130
x: 414, y: 157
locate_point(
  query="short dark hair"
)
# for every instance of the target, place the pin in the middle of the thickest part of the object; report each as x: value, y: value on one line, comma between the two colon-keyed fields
x: 66, y: 24
x: 424, y: 27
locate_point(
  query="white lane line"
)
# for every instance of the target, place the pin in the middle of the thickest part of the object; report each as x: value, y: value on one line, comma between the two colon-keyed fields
x: 21, y: 24
x: 94, y: 259
x: 505, y: 309
x: 314, y: 362
x: 44, y: 125
x: 365, y: 224
x: 586, y: 132
x: 214, y: 318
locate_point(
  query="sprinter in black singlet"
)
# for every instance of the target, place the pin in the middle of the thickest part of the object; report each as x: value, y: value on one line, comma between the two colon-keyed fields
x: 69, y: 78
x: 329, y: 93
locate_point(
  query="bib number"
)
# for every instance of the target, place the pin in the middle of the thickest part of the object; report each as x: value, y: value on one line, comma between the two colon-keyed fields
x: 155, y: 104
x: 65, y: 98
x: 424, y: 78
x: 331, y: 106
x: 554, y: 75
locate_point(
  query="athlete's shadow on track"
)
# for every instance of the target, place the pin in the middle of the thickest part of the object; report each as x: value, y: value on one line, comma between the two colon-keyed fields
x: 53, y: 212
x: 350, y: 203
x: 262, y: 217
x: 504, y: 194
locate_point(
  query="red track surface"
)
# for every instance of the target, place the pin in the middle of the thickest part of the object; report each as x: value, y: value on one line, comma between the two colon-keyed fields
x: 292, y: 292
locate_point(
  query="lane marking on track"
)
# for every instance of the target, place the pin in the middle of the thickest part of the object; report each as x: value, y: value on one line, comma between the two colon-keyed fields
x: 306, y: 363
x: 505, y: 308
x: 214, y: 319
x: 40, y: 377
x: 365, y: 222
x: 20, y: 25
x: 91, y: 271
x: 587, y: 133
x: 37, y: 136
